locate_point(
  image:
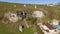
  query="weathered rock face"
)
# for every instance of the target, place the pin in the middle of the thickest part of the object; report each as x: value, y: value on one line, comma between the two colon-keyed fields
x: 55, y: 22
x: 21, y: 15
x: 21, y: 28
x: 39, y: 14
x: 12, y: 17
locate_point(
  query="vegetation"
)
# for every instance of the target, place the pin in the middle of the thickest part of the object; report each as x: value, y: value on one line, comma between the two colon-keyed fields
x: 12, y: 28
x: 31, y: 20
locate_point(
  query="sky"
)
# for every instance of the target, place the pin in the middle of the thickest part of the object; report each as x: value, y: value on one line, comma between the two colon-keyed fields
x: 32, y: 1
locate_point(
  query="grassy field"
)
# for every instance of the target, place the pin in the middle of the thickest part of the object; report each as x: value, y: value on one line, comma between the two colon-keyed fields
x: 12, y: 28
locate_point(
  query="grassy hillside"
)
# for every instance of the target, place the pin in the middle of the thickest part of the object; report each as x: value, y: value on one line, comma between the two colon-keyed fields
x: 50, y: 12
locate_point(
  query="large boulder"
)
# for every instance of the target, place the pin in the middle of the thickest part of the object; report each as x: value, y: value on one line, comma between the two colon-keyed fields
x: 11, y: 16
x: 39, y: 14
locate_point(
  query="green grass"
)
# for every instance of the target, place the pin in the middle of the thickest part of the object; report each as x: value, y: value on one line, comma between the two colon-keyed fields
x: 13, y: 28
x: 4, y: 29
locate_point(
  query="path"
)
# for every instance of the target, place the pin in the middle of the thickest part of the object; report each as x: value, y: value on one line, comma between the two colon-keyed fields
x: 25, y: 22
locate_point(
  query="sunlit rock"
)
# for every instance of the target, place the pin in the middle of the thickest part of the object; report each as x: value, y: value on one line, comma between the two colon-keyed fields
x: 11, y: 16
x: 55, y: 22
x: 38, y: 14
